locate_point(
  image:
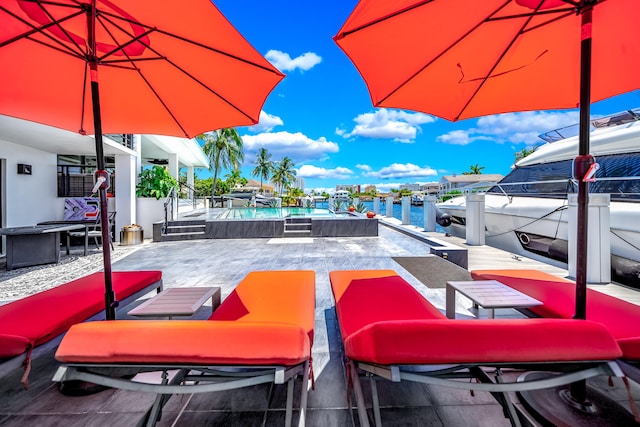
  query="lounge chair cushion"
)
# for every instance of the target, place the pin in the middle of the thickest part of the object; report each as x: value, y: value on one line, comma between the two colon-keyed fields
x: 559, y: 296
x: 446, y: 341
x: 272, y: 296
x: 185, y: 342
x: 41, y: 317
x: 366, y: 301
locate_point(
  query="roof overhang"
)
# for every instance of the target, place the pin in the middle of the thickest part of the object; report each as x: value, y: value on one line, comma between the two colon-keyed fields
x: 157, y: 148
x: 54, y: 140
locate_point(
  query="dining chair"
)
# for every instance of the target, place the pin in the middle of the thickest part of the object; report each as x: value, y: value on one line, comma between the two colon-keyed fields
x: 94, y: 231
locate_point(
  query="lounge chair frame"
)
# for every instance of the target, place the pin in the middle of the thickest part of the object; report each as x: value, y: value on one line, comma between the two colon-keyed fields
x: 449, y: 376
x: 190, y: 380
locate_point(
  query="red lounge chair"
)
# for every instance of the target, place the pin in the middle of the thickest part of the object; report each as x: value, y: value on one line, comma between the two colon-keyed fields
x: 390, y: 330
x: 261, y: 333
x: 558, y: 296
x: 33, y: 325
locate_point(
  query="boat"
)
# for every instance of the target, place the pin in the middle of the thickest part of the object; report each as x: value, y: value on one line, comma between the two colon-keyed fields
x: 526, y: 212
x: 417, y: 199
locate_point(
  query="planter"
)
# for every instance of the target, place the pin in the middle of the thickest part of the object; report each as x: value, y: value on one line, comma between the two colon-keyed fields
x: 148, y: 211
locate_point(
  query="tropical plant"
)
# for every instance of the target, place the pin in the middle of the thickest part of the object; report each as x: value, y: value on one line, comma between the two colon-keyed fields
x: 474, y: 170
x: 338, y: 205
x: 155, y: 182
x: 273, y: 203
x: 361, y: 207
x: 234, y: 179
x: 524, y: 153
x: 223, y: 147
x: 307, y: 203
x: 283, y: 173
x: 264, y: 166
x: 450, y: 195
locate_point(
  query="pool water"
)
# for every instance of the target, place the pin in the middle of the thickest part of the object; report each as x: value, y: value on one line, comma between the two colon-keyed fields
x: 266, y: 213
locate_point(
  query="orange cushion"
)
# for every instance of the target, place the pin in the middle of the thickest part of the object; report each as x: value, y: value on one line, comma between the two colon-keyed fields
x: 272, y: 296
x: 481, y: 341
x: 369, y: 300
x: 559, y: 296
x: 43, y: 316
x: 185, y: 342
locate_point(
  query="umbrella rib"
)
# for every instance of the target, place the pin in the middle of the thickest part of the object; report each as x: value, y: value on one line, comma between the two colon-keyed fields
x: 383, y: 18
x: 186, y: 40
x: 41, y: 30
x: 160, y: 56
x: 439, y: 55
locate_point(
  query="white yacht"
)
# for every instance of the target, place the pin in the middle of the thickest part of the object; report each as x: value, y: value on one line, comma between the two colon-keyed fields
x: 526, y: 212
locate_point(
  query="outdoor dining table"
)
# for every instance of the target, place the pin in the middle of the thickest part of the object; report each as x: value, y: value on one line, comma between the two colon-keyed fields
x: 34, y: 245
x: 79, y: 224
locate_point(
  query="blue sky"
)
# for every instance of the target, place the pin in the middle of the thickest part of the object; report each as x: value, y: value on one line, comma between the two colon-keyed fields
x: 321, y: 114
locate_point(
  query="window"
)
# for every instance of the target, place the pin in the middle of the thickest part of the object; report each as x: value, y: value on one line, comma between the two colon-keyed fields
x: 75, y: 175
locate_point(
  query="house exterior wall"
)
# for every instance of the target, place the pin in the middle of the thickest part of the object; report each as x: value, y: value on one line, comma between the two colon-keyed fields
x: 30, y: 199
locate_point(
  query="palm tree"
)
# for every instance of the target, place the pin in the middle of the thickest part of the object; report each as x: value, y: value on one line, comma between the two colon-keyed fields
x: 474, y: 170
x: 223, y: 147
x: 525, y: 152
x: 283, y: 173
x: 264, y: 166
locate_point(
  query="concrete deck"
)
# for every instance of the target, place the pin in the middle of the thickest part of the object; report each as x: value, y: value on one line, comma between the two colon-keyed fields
x: 224, y: 263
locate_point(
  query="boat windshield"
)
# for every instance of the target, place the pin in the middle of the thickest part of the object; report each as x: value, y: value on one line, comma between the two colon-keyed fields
x: 603, y: 122
x: 619, y: 175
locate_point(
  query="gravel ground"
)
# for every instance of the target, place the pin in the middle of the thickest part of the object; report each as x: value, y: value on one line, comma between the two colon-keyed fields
x: 21, y: 282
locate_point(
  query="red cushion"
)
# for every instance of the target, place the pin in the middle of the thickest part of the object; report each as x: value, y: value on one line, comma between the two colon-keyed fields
x: 380, y: 299
x: 190, y: 342
x: 481, y: 341
x: 43, y: 316
x: 559, y: 296
x: 272, y: 296
x: 12, y: 345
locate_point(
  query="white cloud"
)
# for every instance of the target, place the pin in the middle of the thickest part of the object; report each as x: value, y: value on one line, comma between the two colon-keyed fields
x: 266, y: 123
x: 365, y: 168
x: 400, y: 126
x: 310, y: 171
x: 516, y: 128
x: 284, y: 62
x: 397, y: 170
x: 297, y: 146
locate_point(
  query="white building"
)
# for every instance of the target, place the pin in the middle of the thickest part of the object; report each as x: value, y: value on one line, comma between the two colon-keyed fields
x: 50, y: 153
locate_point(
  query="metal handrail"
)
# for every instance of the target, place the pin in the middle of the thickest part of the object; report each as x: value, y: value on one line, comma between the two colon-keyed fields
x: 168, y: 207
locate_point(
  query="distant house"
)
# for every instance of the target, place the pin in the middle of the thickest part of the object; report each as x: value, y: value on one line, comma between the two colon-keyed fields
x: 254, y: 185
x: 468, y: 183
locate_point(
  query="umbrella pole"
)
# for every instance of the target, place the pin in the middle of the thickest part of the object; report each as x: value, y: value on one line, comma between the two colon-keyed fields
x: 110, y: 302
x: 582, y: 164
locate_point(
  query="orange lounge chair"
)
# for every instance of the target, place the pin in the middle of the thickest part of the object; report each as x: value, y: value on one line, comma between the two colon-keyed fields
x: 390, y: 330
x: 261, y: 333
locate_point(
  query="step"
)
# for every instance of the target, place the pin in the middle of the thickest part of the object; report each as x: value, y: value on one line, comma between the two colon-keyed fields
x: 171, y: 229
x: 186, y: 222
x: 173, y: 237
x: 297, y: 233
x: 297, y: 227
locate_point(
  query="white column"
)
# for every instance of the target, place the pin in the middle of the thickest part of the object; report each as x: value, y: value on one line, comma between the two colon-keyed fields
x: 190, y: 181
x: 429, y: 213
x: 389, y: 207
x: 475, y: 219
x: 376, y: 205
x: 125, y: 204
x: 137, y: 146
x: 599, y: 241
x: 406, y: 210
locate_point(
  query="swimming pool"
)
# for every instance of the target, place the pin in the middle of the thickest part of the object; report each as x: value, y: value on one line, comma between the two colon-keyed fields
x: 270, y: 213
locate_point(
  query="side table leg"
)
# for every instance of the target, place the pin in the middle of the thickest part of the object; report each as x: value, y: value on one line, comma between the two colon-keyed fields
x: 451, y: 302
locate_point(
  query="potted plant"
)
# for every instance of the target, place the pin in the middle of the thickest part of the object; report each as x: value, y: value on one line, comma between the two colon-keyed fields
x: 154, y: 186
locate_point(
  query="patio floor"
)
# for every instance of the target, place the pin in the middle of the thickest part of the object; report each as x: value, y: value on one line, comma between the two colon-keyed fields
x: 224, y: 263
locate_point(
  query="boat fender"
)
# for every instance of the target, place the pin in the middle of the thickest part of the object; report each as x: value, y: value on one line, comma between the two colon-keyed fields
x: 443, y: 219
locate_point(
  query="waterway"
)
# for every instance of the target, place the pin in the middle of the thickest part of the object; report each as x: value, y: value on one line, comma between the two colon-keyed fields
x: 416, y: 213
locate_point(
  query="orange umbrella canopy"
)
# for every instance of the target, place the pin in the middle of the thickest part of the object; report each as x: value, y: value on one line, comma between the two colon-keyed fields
x: 164, y: 67
x: 458, y: 59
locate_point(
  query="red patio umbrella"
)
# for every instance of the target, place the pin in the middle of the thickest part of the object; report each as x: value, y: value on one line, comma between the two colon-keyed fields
x: 458, y: 59
x: 118, y: 66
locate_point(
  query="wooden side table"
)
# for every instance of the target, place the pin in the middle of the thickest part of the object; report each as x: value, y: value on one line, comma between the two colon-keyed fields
x: 178, y: 302
x: 489, y: 294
